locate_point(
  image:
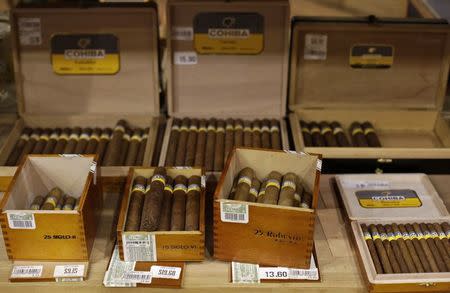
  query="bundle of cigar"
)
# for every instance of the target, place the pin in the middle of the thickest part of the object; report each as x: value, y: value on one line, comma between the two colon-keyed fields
x: 276, y: 189
x: 120, y: 146
x: 55, y: 200
x: 409, y: 248
x: 207, y: 143
x: 332, y: 134
x: 162, y: 203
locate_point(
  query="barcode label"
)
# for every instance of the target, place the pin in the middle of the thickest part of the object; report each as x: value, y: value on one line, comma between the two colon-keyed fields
x: 234, y: 213
x: 315, y: 47
x: 30, y: 31
x: 180, y: 33
x: 26, y: 271
x: 312, y: 274
x: 162, y: 272
x: 138, y: 277
x: 68, y: 279
x: 21, y: 220
x: 185, y: 58
x: 68, y: 271
x: 139, y: 247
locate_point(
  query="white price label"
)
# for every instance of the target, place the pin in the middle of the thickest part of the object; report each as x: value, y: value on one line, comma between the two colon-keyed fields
x: 26, y: 271
x: 30, y: 31
x: 21, y: 220
x: 234, y: 213
x: 162, y: 272
x: 139, y: 247
x: 185, y: 58
x: 273, y: 273
x: 138, y: 277
x: 68, y: 271
x: 181, y: 33
x: 315, y: 47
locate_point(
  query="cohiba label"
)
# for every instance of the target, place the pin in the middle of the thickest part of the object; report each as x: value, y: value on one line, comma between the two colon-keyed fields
x: 229, y: 33
x: 372, y: 56
x: 85, y: 54
x: 397, y: 198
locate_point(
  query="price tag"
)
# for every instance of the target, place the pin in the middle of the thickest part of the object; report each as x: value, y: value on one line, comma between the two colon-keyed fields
x: 162, y: 272
x: 138, y: 277
x: 26, y: 271
x: 185, y: 58
x: 315, y: 47
x: 68, y: 271
x: 30, y: 31
x: 273, y: 273
x: 21, y: 220
x: 234, y: 213
x: 180, y: 33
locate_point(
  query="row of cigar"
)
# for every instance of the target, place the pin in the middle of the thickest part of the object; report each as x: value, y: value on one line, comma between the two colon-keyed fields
x: 120, y: 146
x: 161, y: 203
x: 207, y: 143
x: 409, y: 248
x: 276, y: 189
x: 55, y: 200
x: 332, y: 134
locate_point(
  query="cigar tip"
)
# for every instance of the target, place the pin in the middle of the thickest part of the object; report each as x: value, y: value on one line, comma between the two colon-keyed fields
x: 195, y: 179
x: 160, y: 171
x: 180, y: 179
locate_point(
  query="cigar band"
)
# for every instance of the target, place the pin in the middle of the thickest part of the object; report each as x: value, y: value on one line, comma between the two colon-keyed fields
x: 356, y: 131
x: 193, y: 187
x: 304, y: 205
x: 288, y: 183
x: 265, y: 129
x: 84, y: 136
x: 175, y: 127
x: 420, y: 236
x: 184, y: 128
x: 434, y: 235
x: 58, y: 208
x: 315, y: 129
x: 398, y: 235
x: 136, y: 137
x: 248, y: 129
x: 238, y: 127
x: 220, y: 129
x: 35, y: 207
x: 67, y: 207
x: 375, y: 236
x: 337, y: 130
x: 274, y: 129
x: 305, y: 129
x: 442, y: 235
x: 253, y: 192
x: 159, y: 178
x: 406, y: 236
x: 64, y: 136
x: 369, y: 130
x: 297, y: 197
x: 51, y: 200
x: 273, y: 182
x: 211, y: 128
x: 383, y: 236
x: 245, y: 179
x: 390, y: 236
x: 126, y: 136
x: 427, y: 235
x: 413, y: 235
x: 105, y: 136
x: 326, y: 130
x: 193, y: 128
x: 168, y: 188
x: 230, y: 127
x: 256, y: 128
x: 181, y: 187
x: 74, y: 136
x: 119, y: 128
x: 34, y: 136
x: 145, y: 136
x: 95, y: 136
x: 262, y: 192
x: 54, y: 136
x: 138, y: 187
x: 25, y: 137
x: 202, y: 129
x: 367, y: 236
x: 44, y: 137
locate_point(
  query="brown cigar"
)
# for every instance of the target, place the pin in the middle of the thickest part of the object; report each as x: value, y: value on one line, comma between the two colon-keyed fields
x: 229, y: 138
x: 233, y: 188
x: 52, y: 199
x: 248, y: 134
x: 166, y: 209
x: 433, y: 248
x: 316, y: 135
x: 298, y: 192
x: 193, y: 203
x: 125, y: 146
x: 73, y: 140
x: 210, y: 145
x: 220, y: 146
x: 113, y: 151
x: 42, y: 142
x: 142, y: 146
x: 29, y: 146
x: 372, y: 249
x: 275, y: 134
x: 265, y: 134
x: 338, y: 132
x: 83, y: 142
x: 371, y: 136
x: 105, y: 138
x: 134, y: 212
x: 69, y: 203
x: 93, y: 141
x: 173, y: 142
x: 178, y: 218
x: 37, y: 203
x: 254, y: 190
x: 153, y: 200
x: 51, y: 143
x: 287, y: 192
x: 357, y: 134
x: 262, y: 192
x: 418, y: 247
x: 133, y: 148
x: 182, y: 142
x: 238, y: 133
x: 440, y: 245
x: 62, y: 141
x: 244, y: 184
x: 15, y: 153
x: 191, y: 143
x: 306, y: 133
x: 426, y: 248
x: 306, y: 200
x: 199, y: 159
x: 273, y: 188
x: 389, y: 250
x: 403, y: 248
x: 411, y: 249
x: 444, y: 230
x: 60, y: 203
x: 256, y: 133
x: 327, y: 133
x: 384, y: 259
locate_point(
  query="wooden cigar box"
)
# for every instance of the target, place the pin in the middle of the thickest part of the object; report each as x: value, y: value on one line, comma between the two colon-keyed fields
x: 161, y: 245
x: 386, y: 199
x: 245, y: 80
x: 264, y: 234
x: 56, y: 89
x: 390, y: 72
x: 54, y: 237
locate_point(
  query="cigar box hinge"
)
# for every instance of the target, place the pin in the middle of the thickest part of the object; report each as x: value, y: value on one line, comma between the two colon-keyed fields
x: 428, y: 284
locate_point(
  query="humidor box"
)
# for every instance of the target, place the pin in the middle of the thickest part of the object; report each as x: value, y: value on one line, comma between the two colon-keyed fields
x: 268, y: 235
x: 390, y: 72
x: 56, y: 89
x: 360, y: 194
x: 161, y: 245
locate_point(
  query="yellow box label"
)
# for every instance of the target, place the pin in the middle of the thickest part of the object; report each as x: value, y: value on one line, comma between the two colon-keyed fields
x: 372, y: 56
x: 400, y: 198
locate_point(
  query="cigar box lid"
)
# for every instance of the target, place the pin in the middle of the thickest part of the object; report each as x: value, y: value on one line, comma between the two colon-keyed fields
x: 206, y: 77
x: 352, y: 63
x: 386, y: 196
x: 92, y: 59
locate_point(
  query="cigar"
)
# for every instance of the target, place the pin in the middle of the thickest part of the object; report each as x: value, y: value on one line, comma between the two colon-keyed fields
x: 29, y: 146
x: 298, y: 192
x: 52, y: 199
x: 316, y: 135
x: 166, y: 209
x: 444, y: 234
x: 262, y: 192
x: 389, y: 250
x: 199, y: 159
x: 153, y: 200
x: 440, y: 245
x: 357, y: 134
x: 229, y: 138
x: 103, y: 144
x: 372, y: 249
x: 433, y: 248
x: 83, y: 142
x: 73, y: 140
x: 426, y: 248
x: 254, y: 189
x: 142, y: 146
x: 272, y: 188
x: 411, y: 249
x: 371, y: 136
x: 173, y: 142
x: 327, y: 133
x: 42, y: 142
x: 191, y: 143
x: 219, y: 148
x: 233, y: 188
x: 275, y: 140
x: 387, y: 268
x: 287, y: 192
x: 178, y: 218
x: 113, y: 151
x: 62, y: 141
x: 265, y: 134
x: 306, y: 200
x: 134, y: 212
x: 69, y: 203
x: 244, y: 184
x: 51, y: 143
x: 193, y: 203
x: 182, y: 141
x: 306, y: 133
x: 210, y: 145
x: 418, y: 247
x: 124, y: 148
x: 133, y: 148
x: 256, y: 133
x: 338, y: 132
x: 248, y: 134
x: 93, y: 141
x: 77, y: 204
x: 60, y: 203
x: 410, y: 264
x: 37, y: 203
x: 238, y: 133
x: 18, y: 148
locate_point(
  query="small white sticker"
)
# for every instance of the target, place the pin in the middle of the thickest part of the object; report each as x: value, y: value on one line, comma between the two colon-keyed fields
x: 181, y: 33
x: 162, y: 272
x: 372, y: 184
x: 26, y: 271
x: 138, y: 277
x: 319, y: 165
x: 30, y: 31
x: 68, y: 279
x: 273, y: 273
x: 139, y: 247
x: 305, y: 274
x: 244, y: 273
x: 315, y: 47
x: 68, y: 271
x: 21, y: 220
x: 116, y: 270
x: 234, y: 213
x: 185, y: 58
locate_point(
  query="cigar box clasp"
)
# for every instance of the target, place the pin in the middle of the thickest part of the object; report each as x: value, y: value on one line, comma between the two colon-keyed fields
x: 428, y: 284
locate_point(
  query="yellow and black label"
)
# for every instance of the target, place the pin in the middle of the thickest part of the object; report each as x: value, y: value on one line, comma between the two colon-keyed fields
x: 398, y: 198
x: 85, y: 54
x: 371, y: 56
x: 229, y: 33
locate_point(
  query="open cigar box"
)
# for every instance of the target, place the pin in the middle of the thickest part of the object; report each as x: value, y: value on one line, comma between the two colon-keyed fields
x: 396, y: 199
x: 51, y: 245
x: 86, y: 66
x: 369, y: 69
x: 218, y: 75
